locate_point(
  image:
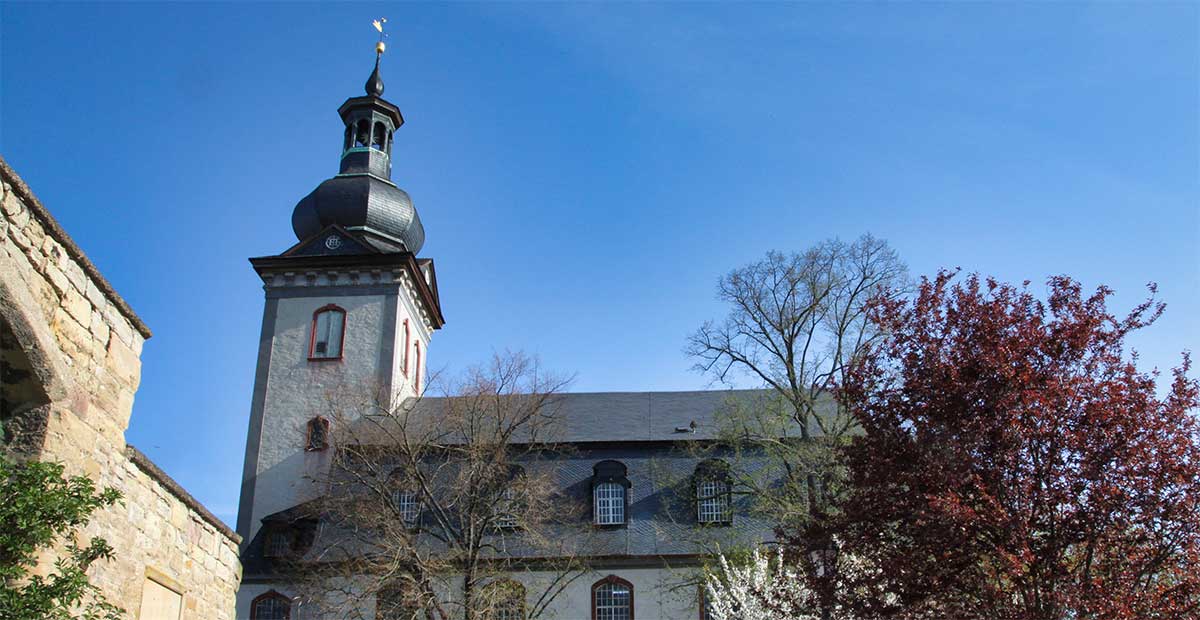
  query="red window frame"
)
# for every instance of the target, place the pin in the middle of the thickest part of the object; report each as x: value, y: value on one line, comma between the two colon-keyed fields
x: 417, y: 368
x: 308, y: 445
x: 407, y: 345
x: 312, y: 335
x: 287, y: 614
x: 612, y: 579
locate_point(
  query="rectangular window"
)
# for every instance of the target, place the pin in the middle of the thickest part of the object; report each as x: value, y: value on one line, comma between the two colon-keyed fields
x: 407, y: 506
x: 506, y: 509
x: 609, y: 504
x: 278, y: 545
x: 712, y: 501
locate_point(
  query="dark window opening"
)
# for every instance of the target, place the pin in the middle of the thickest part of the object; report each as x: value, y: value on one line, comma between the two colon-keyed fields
x: 318, y: 435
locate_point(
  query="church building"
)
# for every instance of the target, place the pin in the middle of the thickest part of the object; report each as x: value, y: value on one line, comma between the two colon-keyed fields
x: 355, y: 303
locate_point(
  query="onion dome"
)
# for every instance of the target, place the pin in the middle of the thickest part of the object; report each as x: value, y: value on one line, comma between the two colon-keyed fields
x: 362, y: 197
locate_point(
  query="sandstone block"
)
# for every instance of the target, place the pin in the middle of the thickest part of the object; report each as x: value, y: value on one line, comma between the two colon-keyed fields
x: 15, y: 210
x: 122, y: 361
x: 94, y: 295
x: 58, y: 280
x: 78, y: 306
x: 75, y: 274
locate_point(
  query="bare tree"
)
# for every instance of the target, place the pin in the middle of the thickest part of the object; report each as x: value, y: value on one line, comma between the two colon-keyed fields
x: 795, y: 323
x: 446, y: 507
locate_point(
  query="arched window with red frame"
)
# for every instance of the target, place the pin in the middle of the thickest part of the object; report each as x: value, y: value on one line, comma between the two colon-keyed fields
x: 612, y: 599
x: 407, y: 345
x: 271, y: 606
x: 328, y: 333
x: 417, y: 368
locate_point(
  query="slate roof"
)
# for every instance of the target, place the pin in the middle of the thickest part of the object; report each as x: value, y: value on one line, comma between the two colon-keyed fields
x: 607, y: 417
x: 644, y: 431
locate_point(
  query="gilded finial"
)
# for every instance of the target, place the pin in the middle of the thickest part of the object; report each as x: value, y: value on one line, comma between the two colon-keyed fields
x: 374, y: 86
x: 380, y: 46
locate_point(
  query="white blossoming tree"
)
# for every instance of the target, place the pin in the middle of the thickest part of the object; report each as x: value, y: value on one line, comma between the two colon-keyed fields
x: 767, y: 587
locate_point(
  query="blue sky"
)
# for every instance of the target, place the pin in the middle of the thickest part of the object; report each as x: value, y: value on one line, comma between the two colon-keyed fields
x: 585, y: 172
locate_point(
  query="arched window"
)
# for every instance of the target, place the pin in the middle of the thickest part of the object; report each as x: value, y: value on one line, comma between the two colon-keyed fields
x: 713, y: 492
x: 328, y: 329
x: 612, y: 599
x: 407, y: 345
x: 318, y: 435
x: 389, y: 144
x: 503, y: 600
x: 417, y: 367
x: 609, y: 490
x: 349, y: 141
x: 271, y: 606
x: 362, y: 133
x: 378, y: 137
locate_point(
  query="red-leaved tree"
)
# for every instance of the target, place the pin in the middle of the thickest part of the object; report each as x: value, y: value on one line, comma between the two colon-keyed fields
x: 1015, y: 464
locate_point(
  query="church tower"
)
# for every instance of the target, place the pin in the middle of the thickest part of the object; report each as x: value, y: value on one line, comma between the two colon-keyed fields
x: 349, y: 313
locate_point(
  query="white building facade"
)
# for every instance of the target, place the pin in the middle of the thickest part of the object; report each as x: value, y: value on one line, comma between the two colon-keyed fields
x: 350, y: 314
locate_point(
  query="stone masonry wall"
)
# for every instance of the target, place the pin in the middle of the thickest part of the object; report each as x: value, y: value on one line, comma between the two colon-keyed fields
x: 84, y: 345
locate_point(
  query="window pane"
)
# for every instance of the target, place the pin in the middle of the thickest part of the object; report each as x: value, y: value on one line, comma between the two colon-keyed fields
x: 407, y: 506
x: 334, y: 336
x: 712, y: 501
x: 274, y: 608
x: 321, y: 335
x: 278, y: 544
x: 613, y: 602
x: 609, y: 503
x: 507, y: 509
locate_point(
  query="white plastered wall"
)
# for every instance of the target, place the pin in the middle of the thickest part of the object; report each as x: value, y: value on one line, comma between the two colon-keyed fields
x: 297, y: 389
x: 658, y: 594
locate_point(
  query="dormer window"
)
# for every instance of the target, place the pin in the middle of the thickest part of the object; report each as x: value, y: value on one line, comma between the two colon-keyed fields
x: 278, y: 544
x: 508, y: 505
x: 318, y: 435
x: 407, y: 506
x: 713, y: 492
x: 609, y: 491
x: 328, y: 329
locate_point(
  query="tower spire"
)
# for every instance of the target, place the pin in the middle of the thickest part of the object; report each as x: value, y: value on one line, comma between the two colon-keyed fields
x: 374, y: 85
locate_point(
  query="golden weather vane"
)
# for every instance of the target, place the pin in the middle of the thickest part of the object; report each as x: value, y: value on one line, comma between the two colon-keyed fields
x: 379, y: 47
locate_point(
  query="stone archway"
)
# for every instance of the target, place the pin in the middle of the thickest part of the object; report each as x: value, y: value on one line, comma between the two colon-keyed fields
x: 31, y: 372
